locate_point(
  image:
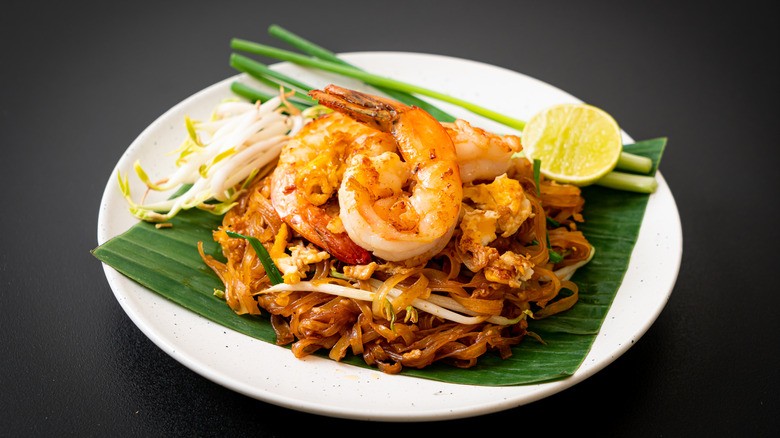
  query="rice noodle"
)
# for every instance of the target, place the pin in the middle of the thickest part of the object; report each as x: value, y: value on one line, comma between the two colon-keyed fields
x: 397, y: 316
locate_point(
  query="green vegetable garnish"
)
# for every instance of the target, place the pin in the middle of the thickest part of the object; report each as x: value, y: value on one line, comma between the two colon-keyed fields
x: 628, y: 182
x: 552, y: 222
x: 554, y: 256
x: 537, y: 168
x: 320, y: 52
x: 272, y: 78
x: 369, y: 78
x: 270, y: 267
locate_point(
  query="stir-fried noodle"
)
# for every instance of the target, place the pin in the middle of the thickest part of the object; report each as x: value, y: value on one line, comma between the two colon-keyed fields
x: 507, y: 257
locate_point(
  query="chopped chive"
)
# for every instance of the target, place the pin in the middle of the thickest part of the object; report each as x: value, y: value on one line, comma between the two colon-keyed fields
x: 554, y: 256
x: 552, y: 222
x: 537, y: 177
x: 270, y: 267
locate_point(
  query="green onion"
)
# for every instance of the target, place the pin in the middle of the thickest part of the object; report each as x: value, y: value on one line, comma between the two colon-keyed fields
x: 552, y: 254
x: 371, y: 79
x: 270, y: 267
x: 271, y: 78
x: 552, y: 222
x: 251, y: 66
x: 634, y: 163
x: 249, y: 93
x: 326, y: 55
x: 537, y: 173
x: 628, y: 182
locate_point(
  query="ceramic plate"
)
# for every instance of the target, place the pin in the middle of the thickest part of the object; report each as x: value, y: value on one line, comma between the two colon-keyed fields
x: 316, y: 385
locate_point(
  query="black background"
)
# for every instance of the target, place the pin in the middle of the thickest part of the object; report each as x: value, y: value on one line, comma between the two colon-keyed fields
x: 80, y: 80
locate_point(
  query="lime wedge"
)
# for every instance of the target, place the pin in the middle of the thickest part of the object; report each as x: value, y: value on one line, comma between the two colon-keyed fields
x: 576, y: 143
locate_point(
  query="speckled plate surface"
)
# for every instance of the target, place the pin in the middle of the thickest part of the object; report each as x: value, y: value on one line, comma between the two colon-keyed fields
x: 272, y: 374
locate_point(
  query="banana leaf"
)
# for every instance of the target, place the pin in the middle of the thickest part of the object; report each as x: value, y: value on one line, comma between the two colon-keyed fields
x: 166, y: 261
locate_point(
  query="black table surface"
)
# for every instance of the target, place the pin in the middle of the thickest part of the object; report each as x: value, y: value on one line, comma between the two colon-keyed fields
x: 80, y: 80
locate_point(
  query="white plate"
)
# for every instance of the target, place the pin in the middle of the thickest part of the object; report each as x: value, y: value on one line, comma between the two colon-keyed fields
x: 316, y: 385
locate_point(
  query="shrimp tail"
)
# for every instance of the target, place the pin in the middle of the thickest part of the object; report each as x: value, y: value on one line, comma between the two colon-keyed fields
x: 372, y: 110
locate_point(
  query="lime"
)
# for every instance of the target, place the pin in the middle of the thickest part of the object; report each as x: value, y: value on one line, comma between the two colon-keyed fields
x: 576, y: 143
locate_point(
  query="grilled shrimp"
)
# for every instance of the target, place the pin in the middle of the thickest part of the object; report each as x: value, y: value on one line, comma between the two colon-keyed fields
x: 481, y: 155
x: 307, y: 177
x: 404, y: 205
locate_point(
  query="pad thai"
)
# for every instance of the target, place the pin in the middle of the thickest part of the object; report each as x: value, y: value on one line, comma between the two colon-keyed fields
x: 399, y: 239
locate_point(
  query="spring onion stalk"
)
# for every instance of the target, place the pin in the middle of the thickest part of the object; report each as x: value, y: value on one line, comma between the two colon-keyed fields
x: 271, y: 77
x: 371, y: 79
x: 263, y: 79
x: 242, y: 62
x: 268, y: 264
x: 628, y: 182
x: 326, y: 55
x: 634, y: 163
x: 218, y: 158
x: 250, y: 93
x: 304, y: 45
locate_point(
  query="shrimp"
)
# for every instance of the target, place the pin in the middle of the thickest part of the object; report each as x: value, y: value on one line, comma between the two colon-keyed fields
x: 404, y: 205
x: 481, y: 155
x: 307, y: 177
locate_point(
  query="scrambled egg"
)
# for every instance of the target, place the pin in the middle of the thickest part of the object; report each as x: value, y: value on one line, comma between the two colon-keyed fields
x: 294, y: 266
x: 501, y: 208
x: 506, y: 198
